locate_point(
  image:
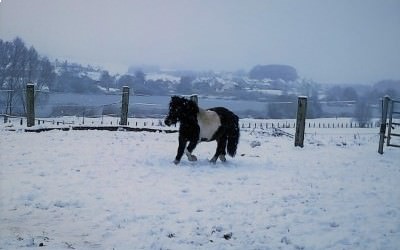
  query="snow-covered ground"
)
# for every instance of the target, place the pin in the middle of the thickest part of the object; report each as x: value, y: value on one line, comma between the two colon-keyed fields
x: 120, y: 190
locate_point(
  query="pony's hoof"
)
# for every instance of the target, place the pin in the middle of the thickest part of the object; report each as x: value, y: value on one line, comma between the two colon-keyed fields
x: 176, y: 162
x: 222, y: 158
x: 213, y: 161
x: 192, y: 158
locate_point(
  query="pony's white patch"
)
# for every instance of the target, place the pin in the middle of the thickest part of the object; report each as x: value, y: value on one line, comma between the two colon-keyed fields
x: 209, y: 123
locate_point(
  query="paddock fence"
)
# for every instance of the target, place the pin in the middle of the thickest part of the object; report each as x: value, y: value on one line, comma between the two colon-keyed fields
x: 105, y: 112
x: 88, y: 119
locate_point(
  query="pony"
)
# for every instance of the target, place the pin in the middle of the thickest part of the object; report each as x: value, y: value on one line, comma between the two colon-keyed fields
x: 200, y: 125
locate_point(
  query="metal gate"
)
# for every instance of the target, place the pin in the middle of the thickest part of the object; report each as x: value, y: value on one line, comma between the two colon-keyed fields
x: 393, y: 111
x: 390, y: 108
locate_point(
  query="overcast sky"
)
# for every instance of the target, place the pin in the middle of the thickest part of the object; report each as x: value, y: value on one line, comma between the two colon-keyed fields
x: 340, y: 41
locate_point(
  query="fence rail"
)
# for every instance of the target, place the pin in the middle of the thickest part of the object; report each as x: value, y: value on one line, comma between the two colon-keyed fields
x: 114, y: 120
x: 117, y: 117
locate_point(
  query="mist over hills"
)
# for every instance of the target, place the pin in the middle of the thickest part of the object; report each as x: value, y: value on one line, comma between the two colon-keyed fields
x: 268, y: 83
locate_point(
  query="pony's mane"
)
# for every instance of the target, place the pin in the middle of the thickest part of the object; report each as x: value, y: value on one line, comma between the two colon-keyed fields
x: 185, y: 103
x: 189, y: 108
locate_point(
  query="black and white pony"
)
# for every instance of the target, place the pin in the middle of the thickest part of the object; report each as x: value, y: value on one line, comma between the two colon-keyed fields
x: 197, y: 125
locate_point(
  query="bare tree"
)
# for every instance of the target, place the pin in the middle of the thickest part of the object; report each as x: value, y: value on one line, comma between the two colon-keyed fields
x: 15, y: 72
x: 362, y: 112
x: 106, y: 80
x: 19, y: 66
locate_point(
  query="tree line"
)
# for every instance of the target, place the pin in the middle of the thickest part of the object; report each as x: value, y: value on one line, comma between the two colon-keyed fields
x: 18, y: 66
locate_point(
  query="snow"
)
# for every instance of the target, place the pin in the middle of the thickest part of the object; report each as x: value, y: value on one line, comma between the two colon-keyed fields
x: 108, y: 90
x: 162, y: 76
x: 120, y: 190
x: 276, y: 92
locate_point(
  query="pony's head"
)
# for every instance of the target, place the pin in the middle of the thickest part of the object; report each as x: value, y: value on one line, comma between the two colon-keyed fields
x: 180, y: 109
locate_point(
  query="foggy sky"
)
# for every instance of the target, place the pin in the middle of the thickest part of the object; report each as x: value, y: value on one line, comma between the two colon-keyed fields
x: 340, y: 41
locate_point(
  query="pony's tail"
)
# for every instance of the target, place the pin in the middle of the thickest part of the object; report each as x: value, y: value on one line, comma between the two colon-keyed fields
x: 233, y: 137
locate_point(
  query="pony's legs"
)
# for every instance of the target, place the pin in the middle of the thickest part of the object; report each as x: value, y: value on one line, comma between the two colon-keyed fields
x: 220, y: 152
x: 192, y: 145
x: 181, y: 149
x: 190, y: 156
x: 223, y: 150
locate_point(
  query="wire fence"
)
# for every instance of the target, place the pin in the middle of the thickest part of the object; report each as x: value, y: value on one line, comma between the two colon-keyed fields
x: 319, y: 131
x: 53, y: 104
x: 56, y: 104
x: 68, y: 109
x: 103, y: 112
x: 320, y: 124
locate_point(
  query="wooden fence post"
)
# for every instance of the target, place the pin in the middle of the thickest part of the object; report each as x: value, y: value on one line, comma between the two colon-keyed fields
x: 382, y: 132
x: 30, y: 104
x: 125, y: 105
x: 300, y: 121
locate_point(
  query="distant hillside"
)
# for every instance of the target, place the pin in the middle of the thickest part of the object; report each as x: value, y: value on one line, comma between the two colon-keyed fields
x: 273, y: 72
x: 388, y: 86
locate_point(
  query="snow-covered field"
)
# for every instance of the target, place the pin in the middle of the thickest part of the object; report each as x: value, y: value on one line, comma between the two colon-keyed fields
x: 120, y: 190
